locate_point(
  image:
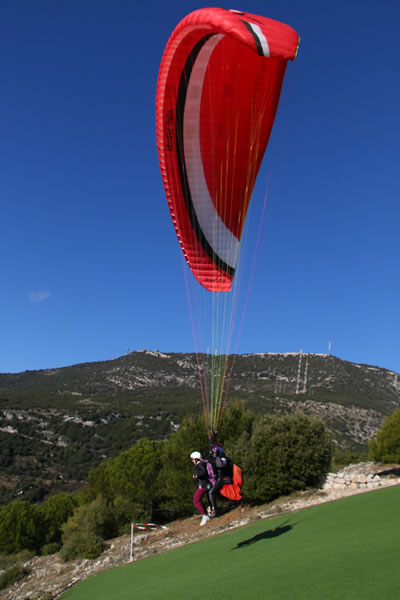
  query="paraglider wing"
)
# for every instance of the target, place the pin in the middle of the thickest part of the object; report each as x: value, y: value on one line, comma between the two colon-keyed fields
x: 217, y: 94
x: 233, y: 491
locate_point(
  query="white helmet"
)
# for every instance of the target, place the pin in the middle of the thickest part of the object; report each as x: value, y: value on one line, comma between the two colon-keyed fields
x: 195, y: 456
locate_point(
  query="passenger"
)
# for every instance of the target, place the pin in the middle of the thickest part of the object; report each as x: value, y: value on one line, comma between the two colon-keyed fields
x: 205, y: 481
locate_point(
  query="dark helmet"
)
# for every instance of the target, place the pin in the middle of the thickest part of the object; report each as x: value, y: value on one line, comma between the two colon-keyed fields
x: 217, y: 449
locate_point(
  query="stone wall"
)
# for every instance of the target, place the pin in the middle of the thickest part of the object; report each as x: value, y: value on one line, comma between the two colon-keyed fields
x: 358, y: 476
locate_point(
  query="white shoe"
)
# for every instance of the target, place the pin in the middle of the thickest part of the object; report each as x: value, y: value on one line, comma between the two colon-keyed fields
x: 204, y: 520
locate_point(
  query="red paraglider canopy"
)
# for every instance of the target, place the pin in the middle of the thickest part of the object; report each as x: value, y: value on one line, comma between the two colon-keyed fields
x: 217, y: 94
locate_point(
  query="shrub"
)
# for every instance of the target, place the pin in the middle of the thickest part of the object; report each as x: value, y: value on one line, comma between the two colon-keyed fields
x: 236, y: 420
x: 84, y: 532
x: 135, y: 476
x: 130, y: 483
x: 99, y: 482
x: 50, y: 548
x: 283, y: 454
x: 55, y: 512
x: 12, y: 575
x: 343, y: 458
x: 21, y: 527
x: 386, y: 446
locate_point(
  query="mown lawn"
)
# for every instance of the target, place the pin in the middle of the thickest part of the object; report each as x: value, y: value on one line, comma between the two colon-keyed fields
x: 347, y: 549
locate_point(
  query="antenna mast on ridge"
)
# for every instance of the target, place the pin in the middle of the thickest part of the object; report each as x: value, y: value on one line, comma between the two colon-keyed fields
x: 305, y: 377
x: 299, y: 371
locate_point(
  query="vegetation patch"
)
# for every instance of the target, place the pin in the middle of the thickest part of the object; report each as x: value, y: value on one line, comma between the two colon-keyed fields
x: 12, y: 575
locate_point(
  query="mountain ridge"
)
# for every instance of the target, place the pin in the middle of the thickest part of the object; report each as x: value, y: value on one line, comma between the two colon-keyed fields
x: 55, y: 424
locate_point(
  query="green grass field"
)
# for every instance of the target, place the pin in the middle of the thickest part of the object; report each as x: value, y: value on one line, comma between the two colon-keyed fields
x: 347, y: 549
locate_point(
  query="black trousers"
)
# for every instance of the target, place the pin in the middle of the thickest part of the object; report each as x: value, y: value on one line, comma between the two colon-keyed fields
x: 212, y: 494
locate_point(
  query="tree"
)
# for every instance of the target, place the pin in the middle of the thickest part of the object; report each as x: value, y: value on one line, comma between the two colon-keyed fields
x: 135, y: 475
x: 236, y: 420
x: 282, y: 454
x: 55, y: 512
x: 99, y: 479
x: 21, y: 527
x: 85, y: 531
x: 386, y: 446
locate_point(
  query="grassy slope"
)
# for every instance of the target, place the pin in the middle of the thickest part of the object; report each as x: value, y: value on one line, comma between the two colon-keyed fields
x: 344, y: 550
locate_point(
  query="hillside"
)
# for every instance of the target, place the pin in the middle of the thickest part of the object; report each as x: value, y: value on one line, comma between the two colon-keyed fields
x: 49, y: 576
x: 55, y: 424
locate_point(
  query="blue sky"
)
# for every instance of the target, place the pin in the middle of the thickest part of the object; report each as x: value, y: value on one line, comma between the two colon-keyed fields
x: 90, y: 264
